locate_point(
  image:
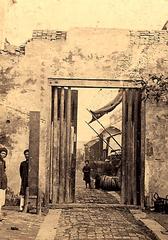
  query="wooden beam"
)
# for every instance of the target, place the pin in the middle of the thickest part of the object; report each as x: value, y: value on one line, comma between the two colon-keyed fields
x: 68, y: 145
x: 73, y: 161
x: 55, y: 159
x: 130, y: 147
x: 48, y: 150
x: 34, y: 143
x: 143, y: 130
x: 62, y: 148
x: 50, y: 164
x: 123, y: 164
x: 93, y: 83
x: 134, y: 146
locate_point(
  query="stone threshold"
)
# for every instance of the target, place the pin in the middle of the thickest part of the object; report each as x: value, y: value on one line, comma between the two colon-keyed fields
x: 159, y: 231
x: 91, y: 205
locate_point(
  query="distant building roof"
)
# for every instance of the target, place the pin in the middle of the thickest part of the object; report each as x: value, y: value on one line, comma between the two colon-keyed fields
x: 111, y: 129
x: 92, y: 142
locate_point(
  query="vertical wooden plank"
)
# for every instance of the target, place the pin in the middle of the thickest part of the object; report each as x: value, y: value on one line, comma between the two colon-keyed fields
x: 68, y: 144
x: 123, y: 163
x: 38, y: 203
x: 62, y: 148
x: 135, y: 139
x: 130, y: 150
x: 126, y: 149
x: 50, y: 168
x: 65, y: 149
x: 55, y: 170
x: 71, y: 159
x: 34, y: 143
x: 143, y: 130
x: 48, y: 149
x: 73, y: 162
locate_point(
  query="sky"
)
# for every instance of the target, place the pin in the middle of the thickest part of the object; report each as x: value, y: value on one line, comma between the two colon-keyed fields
x: 26, y: 15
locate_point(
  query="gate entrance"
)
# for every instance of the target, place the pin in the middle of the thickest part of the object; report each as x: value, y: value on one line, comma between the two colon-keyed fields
x: 63, y: 135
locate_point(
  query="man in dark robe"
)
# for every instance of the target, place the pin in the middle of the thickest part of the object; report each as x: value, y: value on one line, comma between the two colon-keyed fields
x: 86, y: 171
x: 24, y: 169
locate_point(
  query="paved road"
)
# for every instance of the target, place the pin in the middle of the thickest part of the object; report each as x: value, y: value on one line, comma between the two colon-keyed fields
x: 98, y: 223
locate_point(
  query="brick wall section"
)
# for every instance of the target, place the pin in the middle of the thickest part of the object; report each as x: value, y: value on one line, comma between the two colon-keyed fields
x: 49, y: 34
x: 149, y: 37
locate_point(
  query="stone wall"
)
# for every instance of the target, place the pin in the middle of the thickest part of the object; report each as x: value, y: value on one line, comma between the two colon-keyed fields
x: 87, y: 53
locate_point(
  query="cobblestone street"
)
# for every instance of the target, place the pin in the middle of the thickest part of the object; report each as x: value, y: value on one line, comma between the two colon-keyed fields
x: 98, y: 223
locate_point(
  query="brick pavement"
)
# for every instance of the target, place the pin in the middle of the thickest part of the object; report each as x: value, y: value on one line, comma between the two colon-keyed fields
x: 25, y: 226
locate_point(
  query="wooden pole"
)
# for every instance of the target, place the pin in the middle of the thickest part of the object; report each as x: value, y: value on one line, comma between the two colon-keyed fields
x: 34, y: 148
x: 48, y: 150
x: 68, y: 145
x: 143, y: 130
x: 55, y: 168
x: 74, y: 112
x: 62, y: 148
x: 135, y: 139
x: 50, y: 167
x: 130, y: 150
x: 38, y: 203
x: 104, y: 128
x: 123, y: 164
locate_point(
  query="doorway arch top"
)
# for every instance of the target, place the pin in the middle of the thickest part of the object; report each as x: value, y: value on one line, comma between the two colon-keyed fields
x: 93, y: 82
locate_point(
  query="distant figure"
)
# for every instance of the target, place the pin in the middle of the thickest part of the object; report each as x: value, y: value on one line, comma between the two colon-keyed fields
x: 3, y: 177
x: 24, y: 168
x: 86, y: 171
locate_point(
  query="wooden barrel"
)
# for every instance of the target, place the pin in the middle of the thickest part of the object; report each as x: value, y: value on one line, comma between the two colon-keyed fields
x: 102, y: 179
x: 109, y: 183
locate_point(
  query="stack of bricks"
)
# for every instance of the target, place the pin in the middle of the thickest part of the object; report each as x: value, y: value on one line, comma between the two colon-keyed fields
x: 20, y: 50
x: 49, y: 35
x: 149, y: 37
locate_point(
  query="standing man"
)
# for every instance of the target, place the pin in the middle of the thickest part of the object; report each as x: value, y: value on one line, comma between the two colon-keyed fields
x: 24, y: 169
x: 86, y: 171
x: 3, y: 177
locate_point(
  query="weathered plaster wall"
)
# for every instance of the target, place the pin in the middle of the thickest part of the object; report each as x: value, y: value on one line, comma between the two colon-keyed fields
x: 98, y: 53
x: 157, y: 148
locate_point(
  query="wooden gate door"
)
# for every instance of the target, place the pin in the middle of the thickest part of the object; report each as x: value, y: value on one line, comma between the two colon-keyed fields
x: 63, y: 145
x: 132, y: 189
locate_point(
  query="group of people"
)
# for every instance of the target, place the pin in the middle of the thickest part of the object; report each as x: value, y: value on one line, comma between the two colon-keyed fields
x: 3, y: 177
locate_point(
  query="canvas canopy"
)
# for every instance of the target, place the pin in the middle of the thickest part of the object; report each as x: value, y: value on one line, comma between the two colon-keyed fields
x: 107, y: 108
